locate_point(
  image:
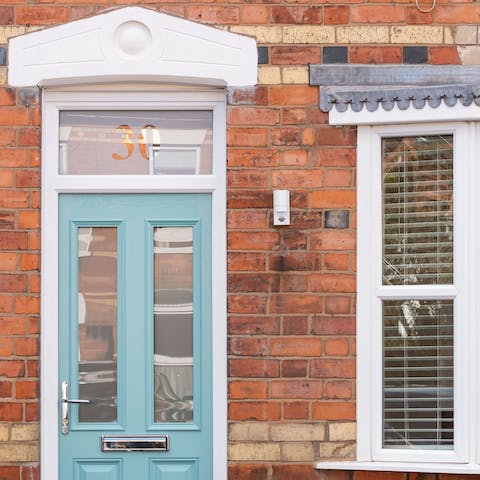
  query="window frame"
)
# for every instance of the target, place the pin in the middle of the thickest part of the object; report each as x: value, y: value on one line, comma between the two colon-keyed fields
x: 371, y: 292
x: 411, y: 118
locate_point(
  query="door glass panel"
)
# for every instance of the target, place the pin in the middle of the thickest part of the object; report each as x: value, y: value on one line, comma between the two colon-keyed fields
x: 97, y: 323
x: 135, y: 142
x: 173, y: 324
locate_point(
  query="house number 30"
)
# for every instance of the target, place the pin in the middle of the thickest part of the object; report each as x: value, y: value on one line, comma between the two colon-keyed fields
x: 127, y: 140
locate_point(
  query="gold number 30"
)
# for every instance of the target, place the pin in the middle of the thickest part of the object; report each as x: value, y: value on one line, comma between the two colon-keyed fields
x: 128, y: 142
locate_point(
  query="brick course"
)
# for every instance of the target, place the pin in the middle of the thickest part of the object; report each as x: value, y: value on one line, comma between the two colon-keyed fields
x: 291, y: 289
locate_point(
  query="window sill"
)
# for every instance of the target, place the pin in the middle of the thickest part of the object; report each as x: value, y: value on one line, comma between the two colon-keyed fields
x: 465, y: 468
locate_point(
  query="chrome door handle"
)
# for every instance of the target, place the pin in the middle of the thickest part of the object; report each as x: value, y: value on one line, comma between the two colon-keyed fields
x: 65, y: 402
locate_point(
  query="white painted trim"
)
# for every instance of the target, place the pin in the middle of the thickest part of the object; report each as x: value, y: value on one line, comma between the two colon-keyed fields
x: 463, y: 253
x: 371, y: 292
x: 132, y: 44
x: 53, y: 184
x: 466, y: 468
x: 474, y: 282
x: 219, y: 294
x: 443, y: 113
x: 365, y: 360
x: 420, y: 292
x: 134, y: 183
x: 49, y: 401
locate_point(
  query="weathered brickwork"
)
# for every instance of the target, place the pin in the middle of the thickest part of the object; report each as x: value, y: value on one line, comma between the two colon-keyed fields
x: 291, y: 300
x: 292, y: 289
x: 19, y: 281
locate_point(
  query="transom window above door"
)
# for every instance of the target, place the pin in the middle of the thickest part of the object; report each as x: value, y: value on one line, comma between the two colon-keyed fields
x: 132, y: 142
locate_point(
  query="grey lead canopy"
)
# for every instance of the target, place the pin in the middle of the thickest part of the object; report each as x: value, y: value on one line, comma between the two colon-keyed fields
x: 371, y: 86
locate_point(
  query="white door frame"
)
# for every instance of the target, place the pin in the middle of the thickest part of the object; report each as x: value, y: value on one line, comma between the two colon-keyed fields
x: 129, y: 97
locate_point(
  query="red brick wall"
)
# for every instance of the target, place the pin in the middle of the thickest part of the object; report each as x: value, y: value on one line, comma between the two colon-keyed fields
x: 19, y: 280
x: 291, y: 295
x: 291, y: 289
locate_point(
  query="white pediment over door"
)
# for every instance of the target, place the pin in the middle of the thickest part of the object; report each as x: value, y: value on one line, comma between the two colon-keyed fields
x: 132, y: 44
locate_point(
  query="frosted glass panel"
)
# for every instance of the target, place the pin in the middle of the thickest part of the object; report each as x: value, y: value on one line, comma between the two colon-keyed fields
x: 173, y: 324
x: 135, y: 142
x: 97, y: 323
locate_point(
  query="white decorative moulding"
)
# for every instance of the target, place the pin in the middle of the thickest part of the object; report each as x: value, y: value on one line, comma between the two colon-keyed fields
x: 132, y: 44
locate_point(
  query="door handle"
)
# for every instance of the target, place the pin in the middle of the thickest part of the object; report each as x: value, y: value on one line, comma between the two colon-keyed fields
x: 65, y: 402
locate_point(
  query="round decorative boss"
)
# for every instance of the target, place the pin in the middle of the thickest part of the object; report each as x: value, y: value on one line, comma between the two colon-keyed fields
x: 133, y: 39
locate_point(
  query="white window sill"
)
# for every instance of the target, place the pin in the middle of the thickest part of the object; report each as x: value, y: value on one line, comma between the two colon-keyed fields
x: 466, y: 468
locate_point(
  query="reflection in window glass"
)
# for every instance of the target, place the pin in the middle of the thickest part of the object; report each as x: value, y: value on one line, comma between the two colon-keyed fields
x: 176, y: 161
x: 418, y: 374
x: 173, y: 324
x: 418, y: 240
x: 97, y: 323
x: 135, y: 142
x: 418, y: 210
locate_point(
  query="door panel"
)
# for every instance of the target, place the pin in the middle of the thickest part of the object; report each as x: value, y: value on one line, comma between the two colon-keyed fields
x: 175, y: 470
x: 97, y: 470
x: 135, y: 333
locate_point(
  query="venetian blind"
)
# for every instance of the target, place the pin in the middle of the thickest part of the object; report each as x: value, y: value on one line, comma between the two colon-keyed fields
x: 418, y: 250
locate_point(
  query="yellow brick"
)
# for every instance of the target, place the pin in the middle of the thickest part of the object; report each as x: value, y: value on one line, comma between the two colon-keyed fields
x: 268, y: 75
x: 363, y: 34
x: 298, y: 432
x: 248, y: 431
x: 296, y: 75
x: 258, y: 451
x: 338, y: 450
x: 342, y: 431
x: 469, y: 55
x: 18, y: 452
x: 308, y: 34
x: 464, y: 34
x: 262, y: 34
x: 3, y: 75
x: 297, y: 452
x: 25, y: 432
x: 9, y: 32
x: 418, y: 34
x: 34, y: 28
x: 448, y: 36
x: 4, y: 433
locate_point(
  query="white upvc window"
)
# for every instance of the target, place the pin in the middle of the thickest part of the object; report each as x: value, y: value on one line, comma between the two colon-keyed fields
x: 414, y: 321
x: 418, y: 214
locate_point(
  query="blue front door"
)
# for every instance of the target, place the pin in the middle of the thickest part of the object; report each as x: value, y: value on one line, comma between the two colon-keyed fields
x: 135, y: 337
